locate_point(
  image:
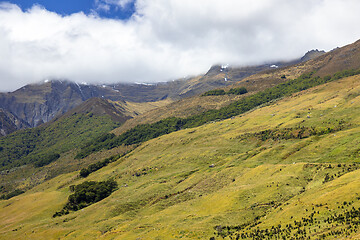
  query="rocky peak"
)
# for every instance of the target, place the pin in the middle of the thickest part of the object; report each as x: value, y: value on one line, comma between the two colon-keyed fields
x: 312, y: 54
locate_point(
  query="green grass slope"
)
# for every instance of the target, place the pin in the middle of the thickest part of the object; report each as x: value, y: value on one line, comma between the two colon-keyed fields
x: 289, y: 170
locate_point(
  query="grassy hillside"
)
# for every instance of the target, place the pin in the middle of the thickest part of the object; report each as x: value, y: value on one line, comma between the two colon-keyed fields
x: 145, y: 132
x: 183, y: 108
x: 27, y: 146
x: 340, y: 59
x: 295, y: 162
x: 22, y: 152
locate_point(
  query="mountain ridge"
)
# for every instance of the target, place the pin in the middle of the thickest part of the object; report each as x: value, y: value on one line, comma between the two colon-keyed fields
x: 36, y: 104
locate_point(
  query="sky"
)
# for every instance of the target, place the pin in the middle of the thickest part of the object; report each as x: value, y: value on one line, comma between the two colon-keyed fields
x: 110, y: 41
x: 117, y: 9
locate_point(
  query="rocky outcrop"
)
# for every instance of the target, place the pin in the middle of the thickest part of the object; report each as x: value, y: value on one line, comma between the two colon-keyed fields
x: 9, y: 123
x: 312, y: 54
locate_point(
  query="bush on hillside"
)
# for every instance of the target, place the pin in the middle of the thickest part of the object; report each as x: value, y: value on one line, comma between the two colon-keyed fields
x: 12, y: 194
x: 87, y: 193
x: 84, y: 172
x: 237, y: 91
x: 215, y: 92
x: 218, y: 92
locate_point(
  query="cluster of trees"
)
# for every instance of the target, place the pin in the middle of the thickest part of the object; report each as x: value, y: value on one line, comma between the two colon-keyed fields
x: 218, y: 92
x: 140, y: 133
x: 343, y: 170
x: 15, y: 147
x: 87, y: 193
x: 12, y: 194
x: 95, y: 145
x: 349, y: 216
x: 345, y: 223
x: 215, y: 92
x: 314, y: 224
x: 145, y: 132
x: 84, y: 172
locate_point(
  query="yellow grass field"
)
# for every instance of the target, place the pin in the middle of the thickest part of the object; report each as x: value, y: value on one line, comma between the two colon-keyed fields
x: 193, y: 183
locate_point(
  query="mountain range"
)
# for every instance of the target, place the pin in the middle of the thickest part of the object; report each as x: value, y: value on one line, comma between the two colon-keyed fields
x: 262, y: 152
x: 35, y: 104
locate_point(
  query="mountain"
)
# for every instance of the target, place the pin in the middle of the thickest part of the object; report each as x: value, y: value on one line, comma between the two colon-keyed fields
x: 23, y: 152
x: 254, y: 79
x: 285, y: 169
x: 337, y: 60
x: 312, y: 54
x: 218, y: 76
x: 39, y: 103
x: 99, y: 107
x: 278, y: 162
x: 35, y: 104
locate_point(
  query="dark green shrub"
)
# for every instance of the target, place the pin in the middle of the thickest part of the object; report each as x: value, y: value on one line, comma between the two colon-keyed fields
x: 215, y: 92
x: 218, y: 92
x: 327, y: 78
x: 84, y: 172
x: 96, y: 166
x: 12, y: 194
x: 237, y: 91
x: 87, y: 193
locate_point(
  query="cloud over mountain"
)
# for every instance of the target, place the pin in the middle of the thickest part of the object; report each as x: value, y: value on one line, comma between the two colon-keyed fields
x: 166, y: 39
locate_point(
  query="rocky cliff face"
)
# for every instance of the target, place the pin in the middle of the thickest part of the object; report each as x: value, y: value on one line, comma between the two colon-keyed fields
x: 35, y: 104
x: 8, y: 123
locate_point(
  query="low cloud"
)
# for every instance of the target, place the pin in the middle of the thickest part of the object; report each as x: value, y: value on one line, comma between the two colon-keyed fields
x: 166, y: 39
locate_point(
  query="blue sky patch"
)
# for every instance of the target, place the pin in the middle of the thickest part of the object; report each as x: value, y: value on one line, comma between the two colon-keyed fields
x: 104, y: 9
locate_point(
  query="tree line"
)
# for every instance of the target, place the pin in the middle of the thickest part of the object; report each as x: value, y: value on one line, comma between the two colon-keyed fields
x: 219, y: 92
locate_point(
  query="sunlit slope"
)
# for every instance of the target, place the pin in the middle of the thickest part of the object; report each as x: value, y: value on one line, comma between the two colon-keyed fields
x: 183, y: 108
x: 344, y: 58
x: 274, y: 165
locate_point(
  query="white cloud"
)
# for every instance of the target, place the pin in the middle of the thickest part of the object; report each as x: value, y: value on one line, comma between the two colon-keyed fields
x: 102, y: 7
x: 105, y: 5
x: 166, y: 39
x: 121, y: 3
